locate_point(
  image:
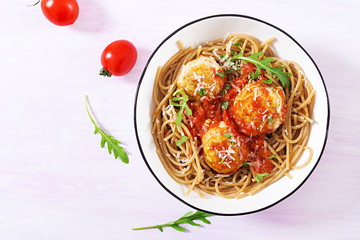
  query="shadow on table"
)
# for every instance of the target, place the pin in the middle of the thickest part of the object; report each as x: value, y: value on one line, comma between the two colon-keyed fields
x: 135, y: 74
x: 331, y: 192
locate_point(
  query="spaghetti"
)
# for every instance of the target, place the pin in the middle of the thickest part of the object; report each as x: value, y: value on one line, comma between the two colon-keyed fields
x: 204, y: 129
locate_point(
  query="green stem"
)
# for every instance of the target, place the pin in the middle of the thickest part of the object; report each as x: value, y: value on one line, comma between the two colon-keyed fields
x: 32, y: 5
x: 87, y: 109
x: 151, y: 227
x: 105, y: 73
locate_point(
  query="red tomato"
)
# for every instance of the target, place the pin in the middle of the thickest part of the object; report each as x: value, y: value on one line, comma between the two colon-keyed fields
x: 60, y: 12
x: 118, y: 58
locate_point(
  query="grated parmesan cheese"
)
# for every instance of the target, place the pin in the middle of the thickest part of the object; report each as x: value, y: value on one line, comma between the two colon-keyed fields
x: 226, y: 36
x: 227, y: 164
x: 278, y: 102
x: 252, y: 124
x: 216, y: 54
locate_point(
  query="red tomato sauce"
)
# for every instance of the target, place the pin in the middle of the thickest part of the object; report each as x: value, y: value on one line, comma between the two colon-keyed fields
x: 212, y: 109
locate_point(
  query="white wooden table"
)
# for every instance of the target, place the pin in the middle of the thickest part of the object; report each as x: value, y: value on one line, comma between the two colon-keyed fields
x: 57, y: 183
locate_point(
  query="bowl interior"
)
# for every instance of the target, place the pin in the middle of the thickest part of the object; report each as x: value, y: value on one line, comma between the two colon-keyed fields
x: 286, y: 48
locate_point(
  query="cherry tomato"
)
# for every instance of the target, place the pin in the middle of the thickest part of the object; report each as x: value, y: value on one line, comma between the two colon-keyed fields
x: 60, y: 12
x: 118, y: 58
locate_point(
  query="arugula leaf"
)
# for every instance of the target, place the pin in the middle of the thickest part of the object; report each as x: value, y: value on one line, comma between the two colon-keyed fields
x: 269, y: 81
x: 259, y: 176
x: 202, y: 92
x: 113, y: 145
x: 188, y: 218
x: 184, y: 98
x: 246, y: 164
x: 181, y: 141
x: 264, y: 64
x: 237, y: 67
x: 227, y: 87
x: 221, y: 74
x: 224, y: 105
x: 227, y: 135
x: 238, y: 43
x: 228, y: 71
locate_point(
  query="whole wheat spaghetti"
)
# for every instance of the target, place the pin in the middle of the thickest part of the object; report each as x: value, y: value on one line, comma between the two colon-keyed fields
x: 203, y: 128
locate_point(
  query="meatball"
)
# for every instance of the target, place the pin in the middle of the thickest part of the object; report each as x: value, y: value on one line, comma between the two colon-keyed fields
x: 202, y: 76
x: 224, y: 152
x: 259, y: 108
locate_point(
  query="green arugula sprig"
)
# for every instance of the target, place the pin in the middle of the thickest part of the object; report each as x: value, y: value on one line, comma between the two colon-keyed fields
x: 224, y: 105
x: 182, y: 140
x: 228, y: 135
x: 180, y: 97
x: 221, y: 74
x: 272, y: 156
x: 238, y: 44
x: 264, y: 64
x: 259, y: 177
x: 113, y: 145
x: 189, y: 218
x: 202, y: 92
x: 246, y: 164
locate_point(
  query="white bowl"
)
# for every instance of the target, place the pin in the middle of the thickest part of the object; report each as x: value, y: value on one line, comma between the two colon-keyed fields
x: 287, y: 48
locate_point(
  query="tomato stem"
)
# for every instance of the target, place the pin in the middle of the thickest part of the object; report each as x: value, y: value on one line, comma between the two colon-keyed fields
x: 32, y: 5
x: 105, y: 73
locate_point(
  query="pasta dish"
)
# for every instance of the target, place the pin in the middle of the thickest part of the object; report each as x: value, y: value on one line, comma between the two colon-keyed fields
x: 230, y: 117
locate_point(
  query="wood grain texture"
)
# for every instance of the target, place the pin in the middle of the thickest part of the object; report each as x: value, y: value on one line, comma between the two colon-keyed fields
x: 57, y: 183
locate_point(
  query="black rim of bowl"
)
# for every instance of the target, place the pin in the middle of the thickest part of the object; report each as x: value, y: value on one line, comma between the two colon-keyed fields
x: 135, y: 107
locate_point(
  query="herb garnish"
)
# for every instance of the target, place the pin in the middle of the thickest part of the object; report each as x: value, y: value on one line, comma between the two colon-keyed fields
x: 259, y: 176
x: 269, y: 81
x: 246, y: 164
x: 221, y: 74
x: 227, y: 87
x: 181, y: 141
x: 272, y: 156
x: 264, y: 64
x: 182, y: 99
x: 113, y: 145
x: 189, y: 218
x: 227, y: 135
x: 253, y: 75
x: 237, y: 67
x: 224, y: 105
x: 270, y: 120
x: 202, y: 92
x: 238, y: 44
x: 228, y: 71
